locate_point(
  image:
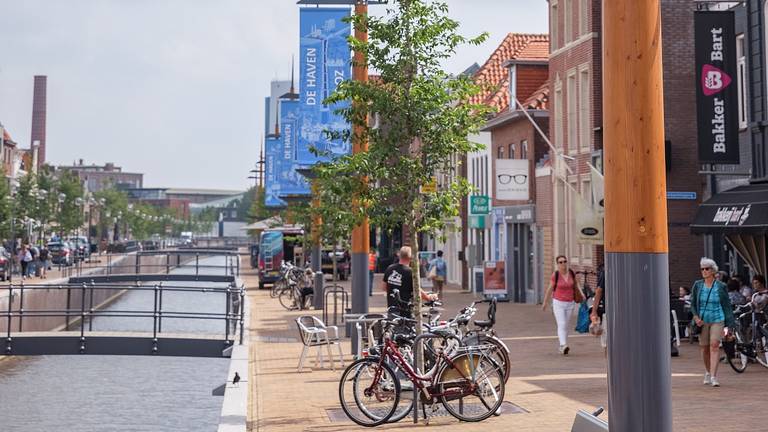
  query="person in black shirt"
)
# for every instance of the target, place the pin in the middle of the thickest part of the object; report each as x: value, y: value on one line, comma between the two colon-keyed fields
x: 598, y: 308
x: 400, y: 276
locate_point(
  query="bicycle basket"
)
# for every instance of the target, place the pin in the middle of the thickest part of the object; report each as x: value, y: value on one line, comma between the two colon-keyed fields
x: 461, y: 367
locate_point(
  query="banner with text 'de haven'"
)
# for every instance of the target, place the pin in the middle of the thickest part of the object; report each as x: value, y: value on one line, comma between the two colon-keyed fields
x: 325, y: 61
x: 716, y: 87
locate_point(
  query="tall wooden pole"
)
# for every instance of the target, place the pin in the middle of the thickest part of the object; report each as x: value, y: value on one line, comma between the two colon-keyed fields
x: 636, y: 238
x: 361, y: 233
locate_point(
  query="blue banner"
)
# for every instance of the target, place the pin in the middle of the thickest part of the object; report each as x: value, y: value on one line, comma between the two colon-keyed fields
x: 325, y: 61
x: 290, y: 182
x: 272, y: 146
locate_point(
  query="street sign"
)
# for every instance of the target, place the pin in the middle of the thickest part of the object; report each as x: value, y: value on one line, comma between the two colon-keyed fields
x: 430, y: 187
x: 681, y: 196
x: 477, y: 221
x: 479, y: 205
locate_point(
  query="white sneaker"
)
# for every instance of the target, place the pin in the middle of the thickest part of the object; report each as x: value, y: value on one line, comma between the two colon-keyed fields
x: 707, y: 379
x: 715, y: 383
x: 561, y: 349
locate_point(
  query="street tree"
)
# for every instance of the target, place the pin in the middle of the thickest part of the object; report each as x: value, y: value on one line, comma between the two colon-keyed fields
x: 70, y: 216
x: 425, y: 117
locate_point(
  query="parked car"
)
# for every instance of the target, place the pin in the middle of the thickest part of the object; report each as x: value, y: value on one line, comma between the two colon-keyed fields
x: 343, y: 262
x: 81, y: 248
x: 5, y: 264
x: 150, y: 245
x: 61, y: 253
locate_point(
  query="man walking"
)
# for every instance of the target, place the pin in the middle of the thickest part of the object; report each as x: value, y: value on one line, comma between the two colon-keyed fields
x: 441, y: 272
x: 399, y: 276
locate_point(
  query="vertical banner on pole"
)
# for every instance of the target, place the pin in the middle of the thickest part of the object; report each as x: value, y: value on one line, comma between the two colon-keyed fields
x: 271, y: 184
x: 291, y: 182
x: 716, y: 89
x: 325, y: 61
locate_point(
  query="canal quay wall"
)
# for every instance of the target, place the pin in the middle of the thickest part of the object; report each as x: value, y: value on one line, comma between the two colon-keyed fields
x: 60, y: 294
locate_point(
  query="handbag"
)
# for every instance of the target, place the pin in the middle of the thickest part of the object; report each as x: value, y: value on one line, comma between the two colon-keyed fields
x: 582, y: 324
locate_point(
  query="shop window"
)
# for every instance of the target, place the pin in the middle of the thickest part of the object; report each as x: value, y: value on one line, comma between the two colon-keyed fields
x: 572, y: 118
x: 585, y: 110
x: 524, y: 149
x: 558, y: 114
x: 553, y: 21
x: 500, y: 152
x: 741, y: 80
x: 584, y: 6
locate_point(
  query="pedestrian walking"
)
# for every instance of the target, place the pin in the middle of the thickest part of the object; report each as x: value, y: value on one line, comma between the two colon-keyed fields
x: 440, y: 272
x: 44, y: 261
x: 599, y: 318
x: 371, y: 269
x: 713, y: 313
x: 564, y: 291
x: 33, y: 266
x: 25, y: 257
x: 400, y: 276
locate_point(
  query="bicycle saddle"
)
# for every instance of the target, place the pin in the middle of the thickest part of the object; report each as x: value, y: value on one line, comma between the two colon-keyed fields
x: 484, y: 324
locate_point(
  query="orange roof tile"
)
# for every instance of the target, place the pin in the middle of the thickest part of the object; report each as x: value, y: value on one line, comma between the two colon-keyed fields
x: 493, y: 74
x: 539, y: 100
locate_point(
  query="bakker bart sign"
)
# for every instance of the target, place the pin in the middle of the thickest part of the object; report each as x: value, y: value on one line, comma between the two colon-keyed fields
x: 717, y: 92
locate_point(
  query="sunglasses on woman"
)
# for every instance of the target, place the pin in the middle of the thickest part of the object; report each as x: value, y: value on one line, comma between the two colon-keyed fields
x: 562, y: 262
x: 706, y: 268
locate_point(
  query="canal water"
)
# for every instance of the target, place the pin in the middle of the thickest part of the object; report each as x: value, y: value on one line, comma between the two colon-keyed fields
x: 121, y: 393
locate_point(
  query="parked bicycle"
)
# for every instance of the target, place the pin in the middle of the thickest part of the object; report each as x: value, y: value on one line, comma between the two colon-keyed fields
x: 748, y: 340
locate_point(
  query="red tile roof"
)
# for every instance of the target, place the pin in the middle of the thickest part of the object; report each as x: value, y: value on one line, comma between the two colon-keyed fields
x: 6, y: 135
x: 493, y: 74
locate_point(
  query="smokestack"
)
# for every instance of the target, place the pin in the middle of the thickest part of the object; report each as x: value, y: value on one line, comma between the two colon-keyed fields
x: 39, y: 114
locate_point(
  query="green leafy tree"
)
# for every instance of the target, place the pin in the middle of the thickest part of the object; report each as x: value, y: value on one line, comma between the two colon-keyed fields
x: 425, y: 116
x: 70, y: 212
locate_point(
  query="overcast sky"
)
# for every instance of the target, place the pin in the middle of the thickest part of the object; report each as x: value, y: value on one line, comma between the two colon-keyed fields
x: 175, y: 88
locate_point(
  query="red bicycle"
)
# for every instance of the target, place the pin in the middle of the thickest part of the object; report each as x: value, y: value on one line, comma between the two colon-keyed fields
x: 469, y: 383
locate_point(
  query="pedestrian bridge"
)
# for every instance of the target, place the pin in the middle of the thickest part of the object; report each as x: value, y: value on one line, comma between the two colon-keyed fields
x: 175, y: 303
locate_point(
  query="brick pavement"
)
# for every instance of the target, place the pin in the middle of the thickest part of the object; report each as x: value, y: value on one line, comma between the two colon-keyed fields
x: 549, y: 386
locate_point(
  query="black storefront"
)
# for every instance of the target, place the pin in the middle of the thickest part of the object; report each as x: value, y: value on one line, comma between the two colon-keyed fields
x: 740, y: 217
x: 734, y: 216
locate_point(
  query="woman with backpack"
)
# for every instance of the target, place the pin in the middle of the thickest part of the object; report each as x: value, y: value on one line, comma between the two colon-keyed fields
x: 565, y: 293
x: 440, y: 273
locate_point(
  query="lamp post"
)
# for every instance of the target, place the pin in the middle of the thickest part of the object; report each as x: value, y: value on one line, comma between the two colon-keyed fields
x: 61, y: 197
x: 42, y: 196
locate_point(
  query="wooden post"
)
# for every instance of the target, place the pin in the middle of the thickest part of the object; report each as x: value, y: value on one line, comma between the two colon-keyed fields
x: 361, y: 233
x: 637, y: 268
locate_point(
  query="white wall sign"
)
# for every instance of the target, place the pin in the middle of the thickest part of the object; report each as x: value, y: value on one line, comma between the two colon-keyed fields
x: 512, y: 179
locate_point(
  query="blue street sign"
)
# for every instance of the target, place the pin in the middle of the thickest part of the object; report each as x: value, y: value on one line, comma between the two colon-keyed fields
x: 690, y: 196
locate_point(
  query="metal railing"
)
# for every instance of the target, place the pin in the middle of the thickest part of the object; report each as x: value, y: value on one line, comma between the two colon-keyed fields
x: 80, y: 300
x: 163, y: 262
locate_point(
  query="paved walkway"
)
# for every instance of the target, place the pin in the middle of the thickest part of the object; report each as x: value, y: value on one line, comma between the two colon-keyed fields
x: 550, y: 387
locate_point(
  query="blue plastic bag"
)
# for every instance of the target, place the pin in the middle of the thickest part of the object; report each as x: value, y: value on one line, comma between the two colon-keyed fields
x: 582, y: 323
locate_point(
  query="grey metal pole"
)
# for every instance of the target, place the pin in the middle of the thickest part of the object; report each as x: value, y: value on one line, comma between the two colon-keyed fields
x: 318, y: 298
x: 636, y: 237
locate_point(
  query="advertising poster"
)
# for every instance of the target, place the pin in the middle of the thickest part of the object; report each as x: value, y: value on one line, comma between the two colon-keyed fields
x: 290, y: 181
x: 512, y: 179
x: 494, y: 281
x: 424, y: 258
x: 716, y: 89
x: 325, y: 61
x: 272, y: 148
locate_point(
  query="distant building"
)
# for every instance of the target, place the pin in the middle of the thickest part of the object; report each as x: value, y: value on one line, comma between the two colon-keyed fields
x: 39, y: 116
x: 100, y: 177
x: 184, y: 201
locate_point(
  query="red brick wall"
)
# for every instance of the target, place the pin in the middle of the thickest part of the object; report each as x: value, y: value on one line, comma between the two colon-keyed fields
x: 529, y: 79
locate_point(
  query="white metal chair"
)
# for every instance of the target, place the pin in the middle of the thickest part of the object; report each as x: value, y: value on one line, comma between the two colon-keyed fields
x: 314, y: 333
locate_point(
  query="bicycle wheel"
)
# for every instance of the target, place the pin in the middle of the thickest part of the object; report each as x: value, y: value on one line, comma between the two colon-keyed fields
x: 739, y: 360
x: 369, y: 392
x: 286, y: 298
x: 472, y: 389
x: 499, y: 352
x: 761, y: 351
x: 276, y: 288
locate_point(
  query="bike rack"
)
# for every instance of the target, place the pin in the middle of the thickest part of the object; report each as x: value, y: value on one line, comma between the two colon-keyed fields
x: 339, y: 295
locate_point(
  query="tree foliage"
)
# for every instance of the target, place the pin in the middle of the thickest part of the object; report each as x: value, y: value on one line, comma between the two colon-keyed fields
x: 424, y: 120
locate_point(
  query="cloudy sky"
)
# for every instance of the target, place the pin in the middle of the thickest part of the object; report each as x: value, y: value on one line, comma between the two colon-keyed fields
x: 175, y: 88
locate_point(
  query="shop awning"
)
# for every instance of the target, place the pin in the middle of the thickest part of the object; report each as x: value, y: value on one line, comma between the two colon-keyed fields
x: 742, y: 210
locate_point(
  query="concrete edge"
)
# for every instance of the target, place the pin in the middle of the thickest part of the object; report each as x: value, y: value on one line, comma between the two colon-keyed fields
x: 234, y: 408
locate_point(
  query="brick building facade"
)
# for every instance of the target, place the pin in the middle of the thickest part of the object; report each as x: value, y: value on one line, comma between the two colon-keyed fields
x: 576, y: 116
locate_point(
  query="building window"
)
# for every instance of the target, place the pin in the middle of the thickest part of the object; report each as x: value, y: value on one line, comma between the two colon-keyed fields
x: 568, y: 21
x: 558, y: 114
x: 585, y: 109
x: 584, y: 12
x: 586, y: 249
x: 524, y: 149
x: 553, y: 21
x: 572, y: 247
x: 572, y: 115
x: 500, y: 152
x: 741, y: 80
x: 512, y: 151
